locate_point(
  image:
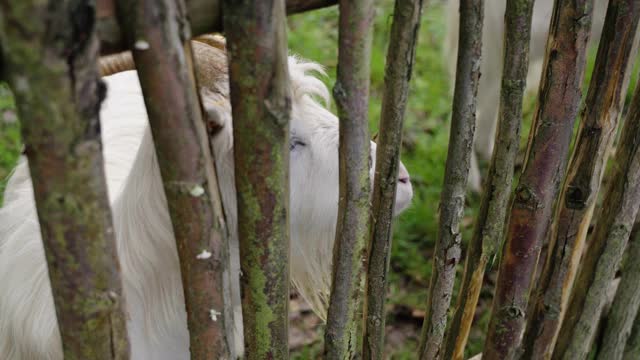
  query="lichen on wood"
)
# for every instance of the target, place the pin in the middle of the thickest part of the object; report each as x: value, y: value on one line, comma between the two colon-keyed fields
x: 52, y: 69
x: 452, y: 199
x: 608, y: 242
x: 399, y: 66
x: 261, y: 106
x: 489, y: 226
x: 598, y: 124
x: 545, y: 162
x: 626, y: 304
x: 165, y: 69
x: 632, y: 349
x: 343, y: 334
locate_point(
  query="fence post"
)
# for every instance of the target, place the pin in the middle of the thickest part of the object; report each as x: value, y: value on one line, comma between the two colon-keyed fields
x: 261, y: 106
x: 158, y: 34
x: 602, y: 259
x: 544, y: 168
x: 452, y: 199
x: 626, y: 304
x: 489, y: 226
x: 52, y: 69
x: 399, y: 66
x: 599, y: 122
x: 343, y: 334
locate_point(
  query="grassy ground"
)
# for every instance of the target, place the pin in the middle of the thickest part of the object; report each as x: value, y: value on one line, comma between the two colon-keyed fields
x: 314, y: 36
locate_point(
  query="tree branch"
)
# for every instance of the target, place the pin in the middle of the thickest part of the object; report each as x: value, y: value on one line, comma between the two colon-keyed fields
x: 489, y: 227
x: 546, y: 159
x: 399, y: 66
x: 343, y: 334
x: 157, y: 33
x: 52, y: 69
x: 261, y: 107
x: 452, y: 198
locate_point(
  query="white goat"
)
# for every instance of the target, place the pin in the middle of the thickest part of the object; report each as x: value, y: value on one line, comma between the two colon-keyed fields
x: 145, y: 242
x: 492, y: 58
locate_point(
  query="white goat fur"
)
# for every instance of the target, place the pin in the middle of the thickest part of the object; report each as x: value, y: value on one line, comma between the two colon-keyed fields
x: 145, y: 242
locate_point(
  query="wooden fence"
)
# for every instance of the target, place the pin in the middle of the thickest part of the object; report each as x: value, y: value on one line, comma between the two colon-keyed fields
x: 546, y: 305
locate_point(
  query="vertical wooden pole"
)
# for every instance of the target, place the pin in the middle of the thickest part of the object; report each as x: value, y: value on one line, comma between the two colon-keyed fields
x: 261, y: 106
x: 609, y: 240
x: 399, y: 66
x: 158, y: 34
x: 545, y: 163
x: 599, y: 122
x: 343, y: 334
x: 52, y: 69
x: 452, y: 199
x: 626, y: 304
x: 489, y: 227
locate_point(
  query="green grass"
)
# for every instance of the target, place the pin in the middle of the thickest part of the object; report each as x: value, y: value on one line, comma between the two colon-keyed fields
x: 9, y: 137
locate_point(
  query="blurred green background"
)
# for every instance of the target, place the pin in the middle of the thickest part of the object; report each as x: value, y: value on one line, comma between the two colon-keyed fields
x: 314, y: 36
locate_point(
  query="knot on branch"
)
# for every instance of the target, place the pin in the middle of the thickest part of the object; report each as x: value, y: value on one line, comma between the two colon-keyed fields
x: 576, y: 197
x: 527, y: 198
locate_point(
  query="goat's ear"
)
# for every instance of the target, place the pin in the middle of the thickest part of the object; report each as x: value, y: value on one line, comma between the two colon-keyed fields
x: 213, y: 119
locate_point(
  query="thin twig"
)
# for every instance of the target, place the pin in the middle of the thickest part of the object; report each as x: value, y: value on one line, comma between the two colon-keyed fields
x: 343, y: 334
x: 546, y: 160
x: 489, y: 227
x: 609, y: 240
x: 452, y: 199
x: 399, y: 66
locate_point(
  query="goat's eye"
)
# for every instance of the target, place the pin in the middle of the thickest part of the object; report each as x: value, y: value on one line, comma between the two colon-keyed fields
x: 296, y: 143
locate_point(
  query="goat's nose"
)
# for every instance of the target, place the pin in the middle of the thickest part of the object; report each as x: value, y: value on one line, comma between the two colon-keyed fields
x: 403, y: 175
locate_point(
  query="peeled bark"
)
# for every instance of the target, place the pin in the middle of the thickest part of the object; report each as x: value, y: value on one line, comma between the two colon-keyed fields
x: 489, y: 227
x: 261, y: 107
x: 626, y: 304
x: 399, y: 66
x: 343, y: 334
x: 599, y: 121
x: 158, y: 34
x: 52, y: 69
x: 545, y: 163
x: 609, y: 240
x: 452, y: 198
x: 205, y: 16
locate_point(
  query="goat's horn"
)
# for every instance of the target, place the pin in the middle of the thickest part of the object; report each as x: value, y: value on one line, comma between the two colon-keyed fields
x: 215, y: 40
x: 116, y: 63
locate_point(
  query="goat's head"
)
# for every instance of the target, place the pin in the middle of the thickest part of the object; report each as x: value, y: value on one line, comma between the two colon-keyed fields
x: 313, y: 162
x: 313, y: 146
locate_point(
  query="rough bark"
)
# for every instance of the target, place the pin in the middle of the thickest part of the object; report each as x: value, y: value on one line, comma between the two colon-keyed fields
x: 452, y: 198
x: 343, y: 334
x: 52, y: 69
x: 489, y: 227
x: 626, y: 304
x: 399, y: 66
x: 602, y: 258
x: 599, y: 121
x: 205, y: 16
x: 158, y: 34
x: 632, y: 349
x: 261, y: 106
x: 544, y: 167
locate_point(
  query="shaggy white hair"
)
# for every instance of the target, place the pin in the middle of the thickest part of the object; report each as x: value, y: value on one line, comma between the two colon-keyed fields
x: 145, y: 242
